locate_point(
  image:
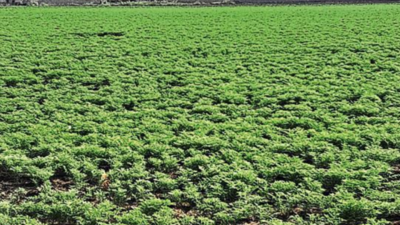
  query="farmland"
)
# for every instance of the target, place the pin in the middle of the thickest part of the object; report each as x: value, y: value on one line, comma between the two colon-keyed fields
x: 230, y: 115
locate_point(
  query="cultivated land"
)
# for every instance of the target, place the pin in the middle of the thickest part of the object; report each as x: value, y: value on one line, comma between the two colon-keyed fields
x: 241, y: 115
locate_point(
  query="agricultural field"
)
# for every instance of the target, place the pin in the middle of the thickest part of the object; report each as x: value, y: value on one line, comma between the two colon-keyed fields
x: 200, y: 116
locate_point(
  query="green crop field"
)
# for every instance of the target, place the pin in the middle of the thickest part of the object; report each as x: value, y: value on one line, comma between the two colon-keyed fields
x: 201, y: 116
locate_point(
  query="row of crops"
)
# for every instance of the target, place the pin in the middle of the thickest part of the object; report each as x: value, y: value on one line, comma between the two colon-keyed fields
x: 234, y: 115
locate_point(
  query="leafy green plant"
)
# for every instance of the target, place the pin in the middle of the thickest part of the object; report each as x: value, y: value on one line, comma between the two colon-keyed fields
x: 200, y: 116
